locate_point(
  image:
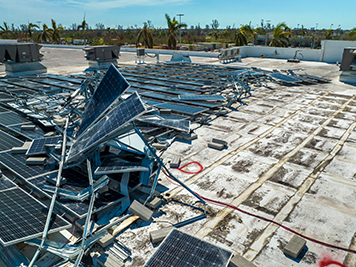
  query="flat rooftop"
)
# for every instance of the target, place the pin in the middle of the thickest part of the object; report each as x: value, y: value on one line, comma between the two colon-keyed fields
x: 290, y: 158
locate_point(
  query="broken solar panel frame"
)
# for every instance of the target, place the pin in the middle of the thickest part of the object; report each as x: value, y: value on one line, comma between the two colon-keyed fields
x: 76, y: 182
x: 125, y: 112
x: 22, y: 217
x: 118, y: 165
x: 284, y: 78
x: 110, y: 88
x: 179, y: 249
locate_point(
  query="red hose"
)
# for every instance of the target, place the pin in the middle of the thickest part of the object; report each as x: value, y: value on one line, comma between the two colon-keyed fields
x: 192, y: 162
x: 72, y: 232
x: 215, y: 202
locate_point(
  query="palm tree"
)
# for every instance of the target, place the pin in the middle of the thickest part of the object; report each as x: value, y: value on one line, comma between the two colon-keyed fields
x: 45, y: 35
x: 55, y: 35
x: 248, y: 30
x: 281, y: 35
x: 146, y: 34
x: 225, y: 34
x: 352, y: 33
x: 304, y: 32
x: 329, y: 34
x: 4, y: 30
x: 29, y: 29
x: 173, y: 26
x: 82, y: 26
x: 240, y: 38
x: 215, y: 34
x: 242, y: 33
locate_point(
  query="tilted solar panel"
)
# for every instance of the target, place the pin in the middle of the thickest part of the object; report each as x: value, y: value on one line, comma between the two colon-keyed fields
x: 117, y: 165
x: 283, y: 78
x: 38, y: 145
x: 181, y: 250
x: 180, y: 125
x: 116, y: 119
x: 22, y: 217
x: 111, y: 87
x: 185, y: 109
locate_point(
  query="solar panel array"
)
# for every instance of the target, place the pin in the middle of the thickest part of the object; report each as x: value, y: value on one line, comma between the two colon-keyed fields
x: 8, y: 141
x: 202, y: 97
x: 109, y: 90
x: 35, y: 134
x: 185, y: 109
x: 22, y: 217
x: 180, y: 125
x: 182, y: 250
x: 16, y: 163
x: 6, y: 183
x: 11, y: 118
x: 125, y: 112
x: 38, y: 145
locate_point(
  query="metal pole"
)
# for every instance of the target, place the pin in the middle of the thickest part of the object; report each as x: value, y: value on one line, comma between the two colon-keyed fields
x: 315, y: 35
x: 267, y: 25
x: 180, y: 34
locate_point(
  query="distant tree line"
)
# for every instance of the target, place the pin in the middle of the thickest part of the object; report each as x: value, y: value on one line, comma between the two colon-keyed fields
x: 149, y: 36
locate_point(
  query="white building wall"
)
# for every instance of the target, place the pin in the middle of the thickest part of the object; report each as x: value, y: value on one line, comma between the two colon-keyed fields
x: 8, y: 41
x: 332, y: 50
x: 280, y: 52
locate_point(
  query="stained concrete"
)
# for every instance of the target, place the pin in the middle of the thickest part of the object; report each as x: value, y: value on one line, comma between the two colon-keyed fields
x: 271, y: 168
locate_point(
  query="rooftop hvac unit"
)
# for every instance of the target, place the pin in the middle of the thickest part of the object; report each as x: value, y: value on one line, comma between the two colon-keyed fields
x: 102, y: 53
x: 140, y: 52
x: 348, y: 59
x: 20, y: 53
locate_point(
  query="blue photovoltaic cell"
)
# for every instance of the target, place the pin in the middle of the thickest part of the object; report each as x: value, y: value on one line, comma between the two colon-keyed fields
x: 125, y: 112
x: 16, y: 163
x: 11, y: 118
x: 2, y: 109
x: 22, y: 217
x: 7, y: 141
x: 64, y: 78
x: 36, y: 134
x: 4, y: 96
x: 109, y: 90
x: 182, y: 250
x: 202, y: 97
x: 38, y: 145
x: 182, y: 108
x: 151, y: 102
x: 6, y: 183
x: 180, y: 125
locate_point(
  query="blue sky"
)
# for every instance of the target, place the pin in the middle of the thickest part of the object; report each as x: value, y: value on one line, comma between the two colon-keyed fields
x: 228, y: 12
